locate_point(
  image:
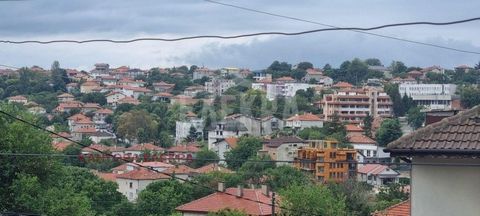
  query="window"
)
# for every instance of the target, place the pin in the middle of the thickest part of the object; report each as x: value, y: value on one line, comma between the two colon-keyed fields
x: 131, y: 184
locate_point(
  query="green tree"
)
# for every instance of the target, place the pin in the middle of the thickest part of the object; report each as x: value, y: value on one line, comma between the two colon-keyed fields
x: 311, y: 200
x: 94, y: 97
x: 284, y: 176
x: 357, y: 196
x: 162, y: 197
x: 203, y: 158
x: 192, y: 134
x: 373, y: 62
x: 59, y: 77
x: 469, y: 96
x: 305, y: 65
x: 394, y: 93
x: 227, y: 212
x: 367, y: 125
x: 391, y: 195
x: 166, y: 140
x: 415, y: 117
x: 136, y: 125
x: 398, y: 67
x: 246, y: 148
x: 389, y: 131
x: 253, y: 171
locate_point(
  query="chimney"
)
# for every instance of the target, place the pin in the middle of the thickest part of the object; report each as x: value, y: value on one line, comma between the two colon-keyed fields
x: 239, y: 191
x: 221, y: 186
x: 265, y: 190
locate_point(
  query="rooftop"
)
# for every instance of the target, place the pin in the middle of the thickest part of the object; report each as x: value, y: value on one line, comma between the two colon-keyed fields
x: 276, y: 142
x: 142, y: 174
x: 400, y: 209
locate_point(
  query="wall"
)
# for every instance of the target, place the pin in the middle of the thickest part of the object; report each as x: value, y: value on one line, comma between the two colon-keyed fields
x: 445, y: 190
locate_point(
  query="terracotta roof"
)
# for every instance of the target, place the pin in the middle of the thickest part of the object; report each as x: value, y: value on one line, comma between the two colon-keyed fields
x: 62, y: 134
x: 276, y: 142
x: 114, y: 92
x: 180, y: 169
x: 163, y: 84
x: 60, y: 146
x: 360, y: 139
x: 353, y: 128
x: 142, y: 174
x: 90, y: 83
x: 18, y: 97
x: 400, y: 209
x: 122, y: 167
x: 285, y: 78
x: 184, y: 148
x: 415, y: 72
x: 374, y: 169
x: 231, y: 141
x: 129, y: 100
x: 106, y: 176
x: 458, y: 135
x: 77, y: 117
x: 218, y: 201
x: 92, y: 105
x: 212, y: 168
x: 65, y: 95
x: 343, y: 85
x: 85, y: 130
x: 190, y: 114
x: 83, y: 121
x: 104, y: 111
x: 305, y: 117
x: 164, y: 94
x: 144, y: 146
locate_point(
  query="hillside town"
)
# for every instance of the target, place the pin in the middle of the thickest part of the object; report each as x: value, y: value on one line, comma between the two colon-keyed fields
x: 361, y: 139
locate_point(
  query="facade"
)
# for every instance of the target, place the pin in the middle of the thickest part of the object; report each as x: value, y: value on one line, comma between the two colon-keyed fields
x: 431, y: 96
x: 258, y: 126
x: 133, y: 182
x: 88, y: 87
x: 182, y: 128
x: 65, y: 97
x: 223, y: 146
x: 377, y: 175
x: 282, y: 149
x: 163, y: 87
x: 225, y: 129
x: 353, y: 105
x: 199, y: 73
x: 326, y: 161
x: 218, y: 86
x: 18, y: 99
x: 436, y: 189
x: 303, y: 121
x: 284, y: 88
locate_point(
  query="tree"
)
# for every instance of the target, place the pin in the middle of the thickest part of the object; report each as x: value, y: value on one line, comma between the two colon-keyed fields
x: 373, y: 62
x: 394, y: 93
x: 204, y: 157
x: 311, y: 200
x: 398, y: 67
x: 192, y: 134
x: 246, y: 148
x: 162, y: 197
x: 356, y: 196
x: 59, y: 77
x: 166, y: 140
x: 477, y: 66
x: 253, y: 171
x: 136, y: 125
x: 304, y: 65
x: 391, y: 195
x: 94, y: 97
x: 284, y: 176
x: 415, y: 117
x: 469, y: 96
x: 367, y: 125
x: 389, y: 131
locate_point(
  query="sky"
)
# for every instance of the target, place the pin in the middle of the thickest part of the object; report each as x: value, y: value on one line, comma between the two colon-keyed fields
x: 117, y: 19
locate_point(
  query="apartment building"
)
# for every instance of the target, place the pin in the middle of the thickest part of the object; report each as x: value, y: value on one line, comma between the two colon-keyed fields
x: 182, y: 128
x: 218, y: 86
x: 326, y: 161
x: 285, y: 89
x: 352, y: 105
x: 431, y: 96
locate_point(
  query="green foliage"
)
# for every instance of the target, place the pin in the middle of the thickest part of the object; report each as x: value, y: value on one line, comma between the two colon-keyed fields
x: 469, y: 96
x: 246, y: 148
x: 311, y: 200
x: 397, y: 67
x: 253, y: 172
x: 137, y: 125
x: 304, y: 65
x: 204, y: 157
x: 356, y: 196
x: 367, y: 125
x: 59, y: 77
x: 415, y: 117
x: 389, y: 131
x: 437, y: 78
x: 279, y: 69
x: 162, y: 197
x: 228, y: 212
x: 94, y: 97
x: 394, y: 93
x: 390, y: 195
x: 284, y: 176
x: 373, y: 62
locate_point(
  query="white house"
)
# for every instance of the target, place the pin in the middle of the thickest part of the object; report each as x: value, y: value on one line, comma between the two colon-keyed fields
x: 449, y: 184
x: 223, y: 146
x: 133, y: 182
x: 282, y: 149
x: 258, y: 126
x: 285, y: 89
x: 114, y: 97
x: 224, y: 129
x: 218, y: 86
x: 377, y: 175
x: 304, y: 121
x: 432, y: 96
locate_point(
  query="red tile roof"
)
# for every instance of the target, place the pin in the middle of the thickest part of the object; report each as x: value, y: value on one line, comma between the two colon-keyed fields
x: 400, y: 209
x: 231, y: 141
x: 18, y: 97
x: 353, y: 128
x: 106, y: 176
x: 85, y: 130
x: 212, y: 168
x: 65, y: 95
x: 104, y: 111
x: 180, y: 169
x: 184, y: 148
x: 343, y: 85
x: 90, y: 83
x: 144, y: 146
x: 360, y: 139
x: 77, y: 117
x: 60, y: 146
x: 129, y: 100
x: 285, y: 78
x: 143, y: 174
x: 219, y: 200
x: 372, y: 169
x: 305, y: 117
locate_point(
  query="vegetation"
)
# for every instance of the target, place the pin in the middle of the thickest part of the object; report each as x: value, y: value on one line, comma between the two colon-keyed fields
x: 389, y: 131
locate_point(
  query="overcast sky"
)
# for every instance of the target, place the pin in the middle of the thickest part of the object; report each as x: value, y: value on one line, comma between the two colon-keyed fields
x: 116, y: 19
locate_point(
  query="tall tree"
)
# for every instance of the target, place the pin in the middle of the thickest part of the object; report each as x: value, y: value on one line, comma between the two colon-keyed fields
x: 162, y: 197
x: 389, y: 131
x: 137, y: 125
x: 304, y: 65
x: 469, y: 96
x: 398, y: 67
x: 415, y: 117
x: 59, y: 77
x: 373, y: 62
x: 204, y: 157
x: 367, y: 125
x: 246, y: 148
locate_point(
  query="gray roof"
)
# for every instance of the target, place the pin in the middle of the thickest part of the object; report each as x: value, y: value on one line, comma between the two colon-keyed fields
x: 276, y: 142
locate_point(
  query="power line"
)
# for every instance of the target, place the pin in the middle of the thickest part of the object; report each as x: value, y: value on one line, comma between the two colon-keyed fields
x: 139, y: 165
x: 333, y: 26
x: 244, y: 35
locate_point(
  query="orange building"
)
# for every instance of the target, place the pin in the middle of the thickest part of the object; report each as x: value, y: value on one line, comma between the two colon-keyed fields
x: 326, y: 161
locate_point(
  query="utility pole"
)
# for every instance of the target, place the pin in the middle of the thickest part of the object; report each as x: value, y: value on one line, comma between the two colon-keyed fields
x: 273, y: 203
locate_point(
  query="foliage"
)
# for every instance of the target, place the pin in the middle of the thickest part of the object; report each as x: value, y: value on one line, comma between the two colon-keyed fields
x: 137, y: 125
x: 304, y: 65
x: 284, y: 176
x: 367, y: 125
x: 204, y: 157
x: 162, y: 197
x: 390, y: 195
x: 469, y: 96
x: 94, y: 97
x: 397, y: 67
x: 394, y: 93
x: 389, y: 131
x: 246, y: 148
x: 373, y: 62
x: 356, y: 196
x: 59, y: 77
x: 253, y: 171
x: 415, y: 117
x: 311, y: 200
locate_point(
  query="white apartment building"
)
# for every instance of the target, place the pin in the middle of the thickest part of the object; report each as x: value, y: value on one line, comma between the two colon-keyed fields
x: 431, y: 96
x: 225, y: 129
x: 182, y: 128
x: 218, y: 86
x: 285, y: 89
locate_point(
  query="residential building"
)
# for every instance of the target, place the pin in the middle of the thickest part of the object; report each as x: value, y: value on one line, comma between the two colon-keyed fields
x: 37, y: 110
x: 284, y: 87
x: 163, y: 87
x: 65, y: 97
x: 183, y: 100
x: 192, y: 91
x: 302, y: 121
x: 18, y: 99
x: 66, y: 107
x: 101, y: 69
x: 224, y: 129
x: 90, y: 107
x: 131, y: 82
x: 399, y: 209
x: 366, y: 145
x: 260, y: 74
x: 89, y: 87
x: 450, y: 147
x: 212, y: 167
x: 128, y: 100
x: 109, y: 80
x: 199, y: 73
x: 230, y: 71
x: 326, y: 161
x: 223, y: 146
x: 407, y: 80
x: 343, y: 85
x: 114, y: 97
x: 242, y: 199
x: 318, y: 76
x: 258, y: 126
x: 353, y: 105
x: 133, y: 182
x: 98, y: 136
x: 218, y: 86
x: 431, y: 96
x: 162, y: 97
x: 182, y: 128
x: 377, y: 175
x: 282, y: 149
x: 100, y: 116
x: 181, y: 153
x: 139, y: 149
x: 434, y: 69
